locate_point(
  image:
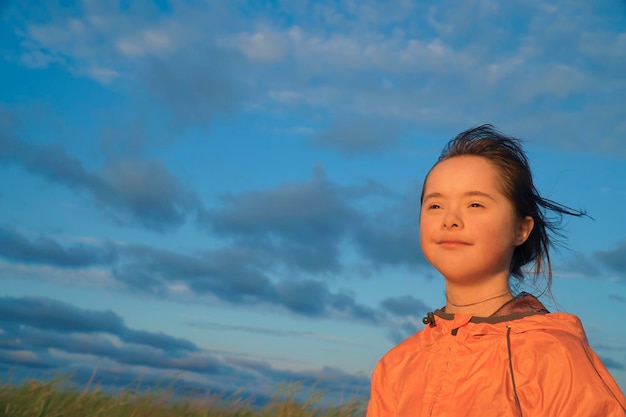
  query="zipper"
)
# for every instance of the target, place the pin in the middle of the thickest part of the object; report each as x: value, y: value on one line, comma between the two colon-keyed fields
x: 508, y: 348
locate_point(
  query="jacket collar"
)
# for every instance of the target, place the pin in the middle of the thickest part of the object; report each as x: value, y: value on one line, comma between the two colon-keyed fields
x: 522, y: 305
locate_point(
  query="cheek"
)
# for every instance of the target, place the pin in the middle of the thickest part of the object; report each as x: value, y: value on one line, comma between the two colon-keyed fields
x: 424, y: 227
x: 503, y: 238
x: 426, y: 231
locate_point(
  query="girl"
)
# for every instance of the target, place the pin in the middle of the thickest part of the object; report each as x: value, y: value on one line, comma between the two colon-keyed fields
x: 487, y: 352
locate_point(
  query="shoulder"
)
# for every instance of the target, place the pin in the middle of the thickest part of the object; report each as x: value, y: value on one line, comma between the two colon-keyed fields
x: 557, y: 331
x: 553, y: 323
x: 399, y: 353
x: 551, y: 358
x: 554, y: 350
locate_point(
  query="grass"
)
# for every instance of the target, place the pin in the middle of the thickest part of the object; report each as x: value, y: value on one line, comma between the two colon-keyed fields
x: 59, y: 398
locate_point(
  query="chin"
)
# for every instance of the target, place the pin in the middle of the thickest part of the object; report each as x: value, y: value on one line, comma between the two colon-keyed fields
x: 461, y: 273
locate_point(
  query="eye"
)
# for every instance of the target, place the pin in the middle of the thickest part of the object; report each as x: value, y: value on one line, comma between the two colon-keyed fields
x: 434, y: 206
x: 476, y: 205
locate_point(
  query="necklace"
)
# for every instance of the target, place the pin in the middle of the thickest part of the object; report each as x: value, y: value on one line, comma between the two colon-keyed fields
x: 478, y: 302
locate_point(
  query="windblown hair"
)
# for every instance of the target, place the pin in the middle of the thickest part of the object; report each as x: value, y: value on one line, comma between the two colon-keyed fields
x: 508, y: 156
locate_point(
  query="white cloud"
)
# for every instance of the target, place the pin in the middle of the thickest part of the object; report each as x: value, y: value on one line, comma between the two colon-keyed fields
x: 426, y: 66
x: 146, y: 42
x: 261, y: 46
x: 37, y: 59
x: 102, y: 75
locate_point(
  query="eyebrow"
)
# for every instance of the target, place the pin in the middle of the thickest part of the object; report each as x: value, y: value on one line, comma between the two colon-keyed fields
x: 473, y: 193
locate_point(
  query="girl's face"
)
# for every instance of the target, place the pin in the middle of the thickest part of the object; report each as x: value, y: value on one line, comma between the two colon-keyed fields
x: 468, y: 227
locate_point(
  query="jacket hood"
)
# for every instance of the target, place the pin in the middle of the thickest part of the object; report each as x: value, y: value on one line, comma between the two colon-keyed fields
x: 524, y: 303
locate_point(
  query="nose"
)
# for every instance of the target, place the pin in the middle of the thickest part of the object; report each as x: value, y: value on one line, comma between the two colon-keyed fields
x: 451, y: 220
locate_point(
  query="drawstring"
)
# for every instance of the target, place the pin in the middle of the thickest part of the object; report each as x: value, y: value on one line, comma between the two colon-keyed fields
x: 508, y: 347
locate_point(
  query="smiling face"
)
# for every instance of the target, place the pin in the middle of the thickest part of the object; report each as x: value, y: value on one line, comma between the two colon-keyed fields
x: 468, y: 227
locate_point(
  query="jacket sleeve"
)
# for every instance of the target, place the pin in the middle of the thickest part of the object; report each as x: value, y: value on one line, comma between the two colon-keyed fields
x: 564, y: 377
x: 381, y: 394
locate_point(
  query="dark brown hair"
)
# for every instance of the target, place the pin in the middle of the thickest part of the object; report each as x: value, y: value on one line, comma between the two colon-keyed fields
x: 508, y: 156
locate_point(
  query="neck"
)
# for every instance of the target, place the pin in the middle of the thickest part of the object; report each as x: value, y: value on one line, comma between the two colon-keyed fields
x: 477, y: 300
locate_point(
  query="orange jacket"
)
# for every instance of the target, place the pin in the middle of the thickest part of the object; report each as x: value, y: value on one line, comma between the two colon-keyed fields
x: 526, y: 364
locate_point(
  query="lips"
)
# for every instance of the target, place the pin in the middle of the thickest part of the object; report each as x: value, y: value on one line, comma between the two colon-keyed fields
x: 452, y: 243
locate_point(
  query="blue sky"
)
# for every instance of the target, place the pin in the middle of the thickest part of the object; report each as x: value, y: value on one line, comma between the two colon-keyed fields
x: 231, y: 189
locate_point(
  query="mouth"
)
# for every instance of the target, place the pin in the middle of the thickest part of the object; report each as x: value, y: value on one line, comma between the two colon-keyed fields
x: 452, y: 243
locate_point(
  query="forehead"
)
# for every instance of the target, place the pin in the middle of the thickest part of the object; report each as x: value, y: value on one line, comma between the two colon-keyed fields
x: 463, y: 173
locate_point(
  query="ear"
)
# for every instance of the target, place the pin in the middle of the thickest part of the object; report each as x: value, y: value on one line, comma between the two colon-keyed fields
x: 524, y: 228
